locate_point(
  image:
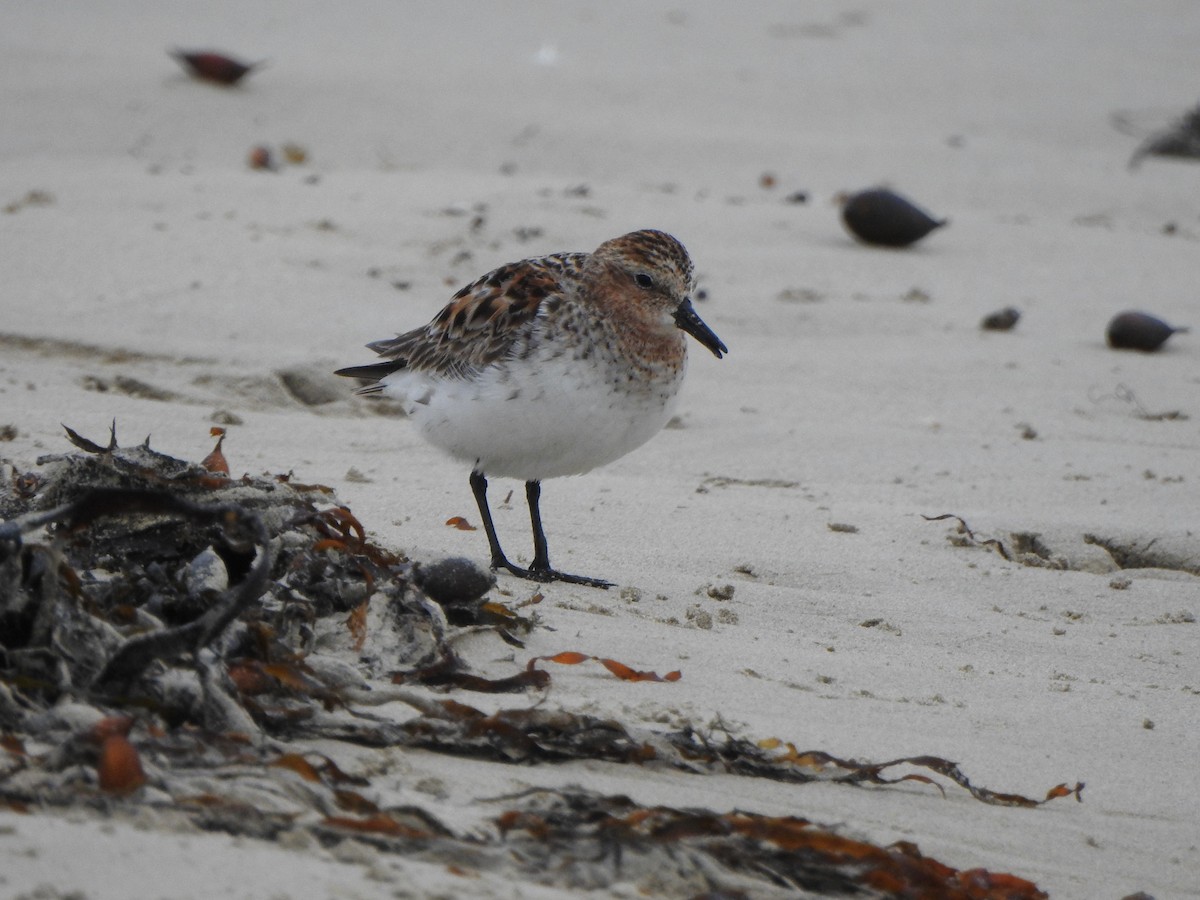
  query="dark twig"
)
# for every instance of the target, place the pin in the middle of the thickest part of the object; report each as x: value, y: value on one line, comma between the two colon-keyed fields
x: 966, y: 529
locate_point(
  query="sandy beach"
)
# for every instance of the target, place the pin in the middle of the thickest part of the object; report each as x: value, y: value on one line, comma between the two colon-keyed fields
x: 774, y: 543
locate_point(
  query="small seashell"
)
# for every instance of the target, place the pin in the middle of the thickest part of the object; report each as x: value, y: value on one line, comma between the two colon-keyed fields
x: 878, y: 216
x: 215, y: 67
x: 454, y: 581
x: 1138, y: 331
x: 1001, y: 319
x: 206, y: 574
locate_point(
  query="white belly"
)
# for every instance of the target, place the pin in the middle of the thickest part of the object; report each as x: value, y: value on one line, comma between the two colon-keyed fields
x: 539, y: 418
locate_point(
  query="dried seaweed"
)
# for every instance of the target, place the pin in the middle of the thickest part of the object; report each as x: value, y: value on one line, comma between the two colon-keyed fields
x: 546, y: 735
x: 969, y: 536
x: 149, y: 562
x: 784, y: 853
x: 619, y: 669
x: 174, y: 633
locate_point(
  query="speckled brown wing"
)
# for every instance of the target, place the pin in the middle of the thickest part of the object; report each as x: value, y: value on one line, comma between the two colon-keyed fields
x: 480, y: 325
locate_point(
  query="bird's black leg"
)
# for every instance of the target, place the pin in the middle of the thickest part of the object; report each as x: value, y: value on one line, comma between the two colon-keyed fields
x: 540, y: 569
x: 541, y: 553
x: 479, y: 489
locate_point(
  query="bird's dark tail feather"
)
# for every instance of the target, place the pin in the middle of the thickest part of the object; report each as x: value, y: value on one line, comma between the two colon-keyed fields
x: 372, y: 375
x: 374, y: 371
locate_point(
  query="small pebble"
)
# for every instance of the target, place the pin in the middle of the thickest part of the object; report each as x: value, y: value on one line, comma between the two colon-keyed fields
x: 1139, y: 331
x: 881, y: 217
x: 206, y: 574
x: 1001, y: 320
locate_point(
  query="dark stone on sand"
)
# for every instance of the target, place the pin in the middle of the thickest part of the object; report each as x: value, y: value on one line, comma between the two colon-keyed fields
x: 454, y: 581
x: 1139, y: 331
x: 1001, y: 319
x: 1181, y: 140
x: 881, y: 217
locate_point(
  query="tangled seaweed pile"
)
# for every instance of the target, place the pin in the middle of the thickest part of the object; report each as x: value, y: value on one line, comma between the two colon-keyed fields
x: 174, y: 638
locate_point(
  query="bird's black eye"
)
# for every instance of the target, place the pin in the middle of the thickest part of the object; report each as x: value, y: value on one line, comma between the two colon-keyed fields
x: 643, y: 280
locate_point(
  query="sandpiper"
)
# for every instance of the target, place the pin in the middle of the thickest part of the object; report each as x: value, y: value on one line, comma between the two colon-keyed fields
x: 549, y: 367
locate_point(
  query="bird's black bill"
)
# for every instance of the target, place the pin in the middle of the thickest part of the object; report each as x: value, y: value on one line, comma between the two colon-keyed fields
x: 686, y: 319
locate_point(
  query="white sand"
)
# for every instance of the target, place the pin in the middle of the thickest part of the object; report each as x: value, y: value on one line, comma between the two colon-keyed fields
x: 161, y: 257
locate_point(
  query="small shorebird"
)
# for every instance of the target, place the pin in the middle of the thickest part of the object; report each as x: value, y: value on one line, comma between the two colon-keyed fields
x: 549, y: 367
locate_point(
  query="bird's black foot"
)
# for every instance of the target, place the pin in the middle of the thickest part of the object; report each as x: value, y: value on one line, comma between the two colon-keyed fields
x: 539, y: 569
x: 545, y: 575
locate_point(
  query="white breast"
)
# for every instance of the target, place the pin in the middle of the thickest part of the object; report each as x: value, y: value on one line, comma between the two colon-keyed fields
x: 542, y: 416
